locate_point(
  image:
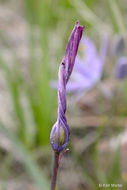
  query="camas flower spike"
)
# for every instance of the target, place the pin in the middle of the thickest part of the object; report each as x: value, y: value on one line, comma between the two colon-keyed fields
x: 60, y: 132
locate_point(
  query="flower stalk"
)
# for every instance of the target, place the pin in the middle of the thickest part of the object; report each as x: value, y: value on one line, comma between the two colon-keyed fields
x: 60, y: 132
x: 55, y: 170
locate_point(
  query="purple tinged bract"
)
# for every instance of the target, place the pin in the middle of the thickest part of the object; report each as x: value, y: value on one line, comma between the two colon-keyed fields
x: 60, y: 131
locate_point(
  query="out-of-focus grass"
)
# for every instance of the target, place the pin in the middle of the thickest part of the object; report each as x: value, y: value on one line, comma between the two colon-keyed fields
x: 36, y: 90
x: 93, y: 169
x: 32, y: 168
x: 38, y: 112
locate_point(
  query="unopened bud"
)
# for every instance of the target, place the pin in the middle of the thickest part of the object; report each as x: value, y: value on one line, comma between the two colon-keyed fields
x: 59, y: 137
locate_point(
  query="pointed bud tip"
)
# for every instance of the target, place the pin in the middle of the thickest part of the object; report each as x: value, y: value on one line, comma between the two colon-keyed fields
x: 79, y: 26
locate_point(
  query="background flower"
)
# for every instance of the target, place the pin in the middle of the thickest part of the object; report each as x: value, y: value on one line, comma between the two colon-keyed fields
x: 89, y: 68
x: 121, y: 68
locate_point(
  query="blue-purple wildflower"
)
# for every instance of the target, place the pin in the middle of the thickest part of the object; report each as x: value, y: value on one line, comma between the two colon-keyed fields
x: 88, y: 69
x: 60, y: 132
x: 121, y: 68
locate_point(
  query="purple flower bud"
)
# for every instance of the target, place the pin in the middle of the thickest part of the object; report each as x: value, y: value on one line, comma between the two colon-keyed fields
x: 118, y: 46
x: 60, y: 132
x: 121, y: 68
x: 59, y: 136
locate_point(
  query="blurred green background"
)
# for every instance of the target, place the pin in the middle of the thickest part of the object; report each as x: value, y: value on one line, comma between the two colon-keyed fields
x: 33, y: 37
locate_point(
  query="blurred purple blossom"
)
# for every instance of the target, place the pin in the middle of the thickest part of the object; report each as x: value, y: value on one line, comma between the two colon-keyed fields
x: 88, y: 68
x: 60, y: 132
x: 121, y: 68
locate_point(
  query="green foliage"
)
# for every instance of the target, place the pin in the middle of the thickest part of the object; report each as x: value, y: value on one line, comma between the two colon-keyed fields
x: 37, y: 94
x: 32, y: 168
